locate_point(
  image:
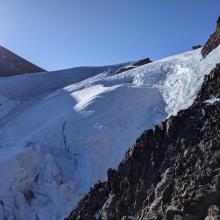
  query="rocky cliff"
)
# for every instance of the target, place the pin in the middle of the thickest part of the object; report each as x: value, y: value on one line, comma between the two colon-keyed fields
x: 213, y: 41
x: 12, y: 64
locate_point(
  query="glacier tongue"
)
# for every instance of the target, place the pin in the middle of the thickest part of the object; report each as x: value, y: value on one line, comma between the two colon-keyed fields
x: 61, y: 131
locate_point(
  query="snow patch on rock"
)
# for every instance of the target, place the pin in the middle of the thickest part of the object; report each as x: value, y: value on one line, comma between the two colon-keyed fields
x: 212, y: 100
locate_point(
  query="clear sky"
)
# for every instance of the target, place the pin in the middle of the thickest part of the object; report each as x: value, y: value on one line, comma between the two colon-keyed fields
x: 57, y: 34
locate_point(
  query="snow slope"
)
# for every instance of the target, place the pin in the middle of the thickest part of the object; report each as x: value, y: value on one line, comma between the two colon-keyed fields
x: 61, y: 131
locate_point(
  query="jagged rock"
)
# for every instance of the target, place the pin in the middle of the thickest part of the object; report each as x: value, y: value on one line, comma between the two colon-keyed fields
x: 213, y: 41
x: 143, y: 62
x: 196, y: 47
x: 136, y: 64
x: 94, y: 200
x: 218, y: 22
x: 11, y: 64
x: 210, y: 87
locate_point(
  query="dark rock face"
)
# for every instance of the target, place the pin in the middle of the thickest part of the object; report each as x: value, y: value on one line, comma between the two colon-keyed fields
x: 136, y: 64
x: 94, y: 200
x: 142, y: 62
x: 213, y: 41
x: 123, y: 69
x: 210, y: 86
x: 11, y: 64
x: 218, y: 22
x: 172, y: 171
x: 196, y: 47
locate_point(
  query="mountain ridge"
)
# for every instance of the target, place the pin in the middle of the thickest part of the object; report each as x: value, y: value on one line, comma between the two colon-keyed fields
x: 213, y: 41
x: 11, y: 64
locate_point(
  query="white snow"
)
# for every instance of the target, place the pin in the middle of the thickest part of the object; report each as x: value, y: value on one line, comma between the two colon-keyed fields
x: 60, y: 131
x: 212, y: 100
x: 97, y: 215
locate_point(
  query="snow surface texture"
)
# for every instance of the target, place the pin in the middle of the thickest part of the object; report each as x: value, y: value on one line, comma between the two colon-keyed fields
x: 61, y: 131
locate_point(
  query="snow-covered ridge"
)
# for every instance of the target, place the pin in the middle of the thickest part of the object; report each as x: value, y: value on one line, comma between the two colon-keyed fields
x: 61, y: 131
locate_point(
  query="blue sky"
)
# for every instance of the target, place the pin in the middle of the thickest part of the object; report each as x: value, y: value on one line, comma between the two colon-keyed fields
x: 57, y: 34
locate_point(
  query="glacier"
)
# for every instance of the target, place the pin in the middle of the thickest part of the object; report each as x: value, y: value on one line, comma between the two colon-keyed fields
x: 61, y: 131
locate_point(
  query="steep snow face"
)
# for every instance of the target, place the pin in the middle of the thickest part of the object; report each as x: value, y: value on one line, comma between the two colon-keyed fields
x: 61, y: 131
x: 178, y: 77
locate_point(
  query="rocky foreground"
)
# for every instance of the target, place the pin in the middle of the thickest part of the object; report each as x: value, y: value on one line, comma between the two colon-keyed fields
x: 172, y: 171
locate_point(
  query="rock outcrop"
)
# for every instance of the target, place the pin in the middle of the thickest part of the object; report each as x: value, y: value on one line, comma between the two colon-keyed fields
x: 210, y: 87
x: 196, y: 47
x: 12, y: 64
x: 213, y: 41
x: 136, y: 64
